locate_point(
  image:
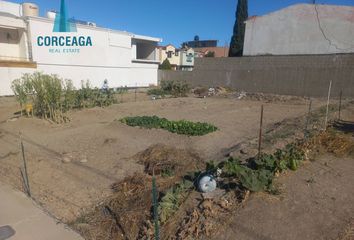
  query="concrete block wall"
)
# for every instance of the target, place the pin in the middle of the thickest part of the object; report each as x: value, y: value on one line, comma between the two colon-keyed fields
x: 307, y: 75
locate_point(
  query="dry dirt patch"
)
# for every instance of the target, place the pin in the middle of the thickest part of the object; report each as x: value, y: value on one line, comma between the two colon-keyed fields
x: 110, y: 148
x: 161, y: 159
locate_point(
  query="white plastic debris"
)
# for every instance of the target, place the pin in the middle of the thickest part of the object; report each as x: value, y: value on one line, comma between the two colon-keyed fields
x: 211, y: 91
x: 242, y: 95
x: 207, y: 184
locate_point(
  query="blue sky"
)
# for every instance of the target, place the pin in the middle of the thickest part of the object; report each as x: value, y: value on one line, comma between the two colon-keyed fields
x: 173, y: 21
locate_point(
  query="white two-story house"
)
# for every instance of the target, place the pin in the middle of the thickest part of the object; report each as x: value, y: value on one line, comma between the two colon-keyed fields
x: 28, y: 44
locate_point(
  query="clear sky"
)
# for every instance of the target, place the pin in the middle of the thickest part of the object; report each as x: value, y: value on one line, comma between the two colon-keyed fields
x: 173, y: 21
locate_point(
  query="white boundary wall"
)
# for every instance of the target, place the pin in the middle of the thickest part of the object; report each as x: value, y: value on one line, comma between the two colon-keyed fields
x: 141, y: 76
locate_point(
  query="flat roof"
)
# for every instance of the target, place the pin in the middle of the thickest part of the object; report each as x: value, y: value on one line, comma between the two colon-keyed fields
x: 11, y: 21
x: 146, y: 38
x: 19, y: 23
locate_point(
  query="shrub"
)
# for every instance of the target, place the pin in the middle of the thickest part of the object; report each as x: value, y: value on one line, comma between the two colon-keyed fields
x: 175, y: 88
x: 47, y: 92
x: 166, y: 65
x: 69, y: 95
x: 210, y: 54
x: 179, y: 127
x: 51, y: 96
x: 156, y: 92
x: 22, y: 90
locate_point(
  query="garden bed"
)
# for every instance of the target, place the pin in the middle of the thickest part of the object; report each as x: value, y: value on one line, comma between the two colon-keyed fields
x: 180, y: 127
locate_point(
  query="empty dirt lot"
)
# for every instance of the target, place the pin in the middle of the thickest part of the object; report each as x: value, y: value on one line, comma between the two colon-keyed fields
x: 72, y: 166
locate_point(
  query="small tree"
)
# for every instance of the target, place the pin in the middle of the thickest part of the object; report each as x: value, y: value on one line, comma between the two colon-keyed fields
x: 238, y: 37
x: 166, y: 65
x: 210, y: 54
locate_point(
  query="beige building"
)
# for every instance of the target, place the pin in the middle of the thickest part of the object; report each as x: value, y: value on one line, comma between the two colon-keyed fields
x: 213, y: 51
x: 180, y: 59
x: 169, y: 52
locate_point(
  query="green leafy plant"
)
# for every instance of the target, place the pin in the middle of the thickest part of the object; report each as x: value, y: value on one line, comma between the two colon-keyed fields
x: 179, y: 127
x: 281, y: 159
x: 173, y: 199
x: 254, y: 180
x: 260, y: 177
x: 290, y: 157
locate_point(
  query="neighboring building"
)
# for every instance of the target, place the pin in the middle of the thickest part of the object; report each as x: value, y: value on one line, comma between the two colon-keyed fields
x: 186, y: 59
x: 123, y: 58
x: 218, y: 51
x: 200, y: 43
x: 301, y: 29
x: 171, y: 53
x: 180, y: 59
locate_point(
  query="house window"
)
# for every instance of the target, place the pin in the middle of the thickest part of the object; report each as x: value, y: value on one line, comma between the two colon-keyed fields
x: 176, y: 53
x: 169, y: 54
x: 189, y: 57
x: 145, y: 50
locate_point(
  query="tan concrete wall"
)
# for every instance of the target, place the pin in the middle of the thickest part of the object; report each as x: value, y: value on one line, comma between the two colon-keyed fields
x: 289, y: 75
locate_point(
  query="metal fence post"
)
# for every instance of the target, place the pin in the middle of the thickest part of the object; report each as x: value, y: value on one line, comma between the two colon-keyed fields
x: 25, y: 174
x: 260, y: 134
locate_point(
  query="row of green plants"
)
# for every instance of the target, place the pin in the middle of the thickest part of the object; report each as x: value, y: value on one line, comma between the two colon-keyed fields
x: 51, y: 96
x: 173, y: 88
x: 180, y: 127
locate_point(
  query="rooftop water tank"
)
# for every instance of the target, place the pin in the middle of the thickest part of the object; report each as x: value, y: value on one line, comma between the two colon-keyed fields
x: 92, y: 24
x: 30, y: 10
x: 51, y: 14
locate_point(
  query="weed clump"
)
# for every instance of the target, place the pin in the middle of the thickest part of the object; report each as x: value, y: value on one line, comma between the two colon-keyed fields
x: 333, y: 142
x: 174, y: 88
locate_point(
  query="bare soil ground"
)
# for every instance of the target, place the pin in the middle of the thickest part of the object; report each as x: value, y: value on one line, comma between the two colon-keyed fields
x: 316, y: 203
x: 72, y: 166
